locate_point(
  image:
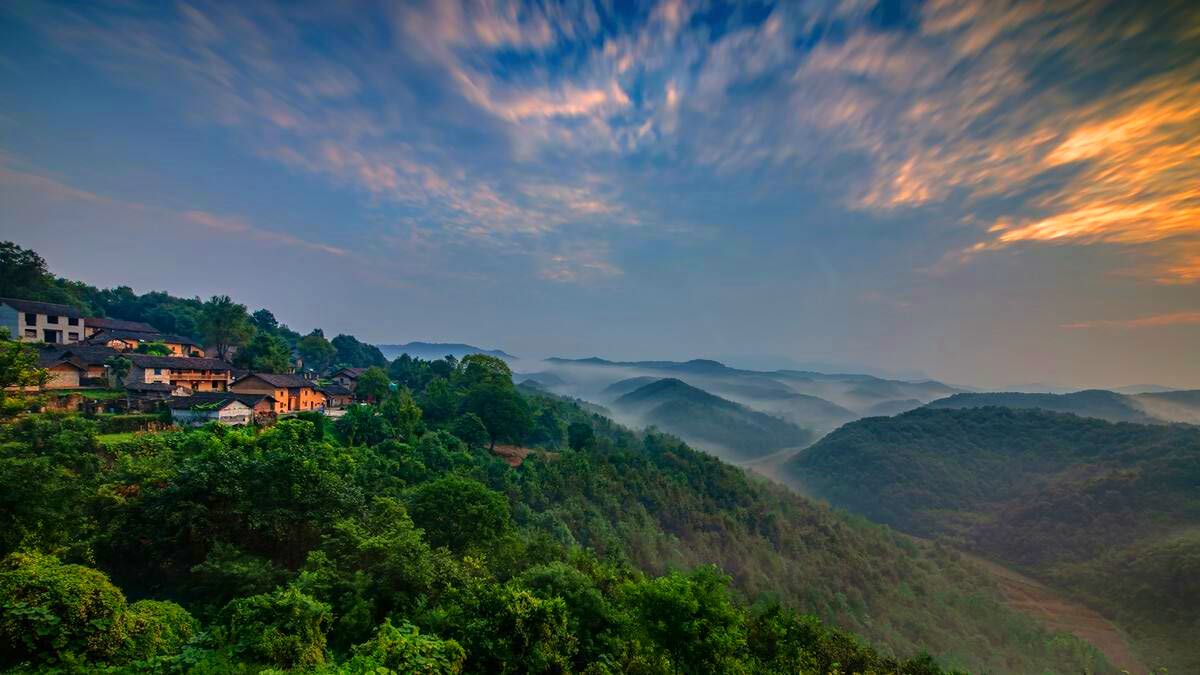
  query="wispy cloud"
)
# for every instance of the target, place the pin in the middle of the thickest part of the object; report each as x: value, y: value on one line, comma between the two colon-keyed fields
x: 1155, y: 321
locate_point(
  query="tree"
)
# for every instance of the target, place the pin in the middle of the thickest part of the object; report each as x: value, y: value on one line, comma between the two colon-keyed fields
x: 266, y: 353
x: 226, y: 325
x: 502, y: 410
x: 118, y: 367
x: 18, y: 365
x: 362, y: 425
x: 403, y: 649
x: 580, y: 435
x: 458, y: 512
x: 355, y: 354
x: 478, y: 369
x: 692, y: 618
x: 372, y: 385
x: 264, y: 320
x: 402, y: 414
x: 440, y: 401
x: 22, y: 272
x: 470, y: 430
x: 316, y: 351
x: 285, y: 628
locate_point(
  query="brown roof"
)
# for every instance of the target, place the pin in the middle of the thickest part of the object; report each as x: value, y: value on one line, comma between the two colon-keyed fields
x: 221, y: 399
x: 118, y: 324
x: 42, y: 308
x: 141, y: 336
x: 352, y: 373
x: 280, y: 380
x: 177, y: 362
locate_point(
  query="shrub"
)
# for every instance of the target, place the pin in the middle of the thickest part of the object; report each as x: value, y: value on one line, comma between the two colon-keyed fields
x: 285, y: 628
x: 157, y: 628
x: 51, y: 612
x: 403, y: 649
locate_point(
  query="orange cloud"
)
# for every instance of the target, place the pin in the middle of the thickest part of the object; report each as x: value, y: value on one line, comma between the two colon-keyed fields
x: 1154, y: 321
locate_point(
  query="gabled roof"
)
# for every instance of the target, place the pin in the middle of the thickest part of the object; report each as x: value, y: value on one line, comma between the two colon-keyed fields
x: 118, y: 324
x: 42, y: 308
x: 334, y: 389
x: 90, y: 355
x: 217, y: 400
x: 351, y: 373
x: 177, y: 362
x: 279, y: 380
x: 161, y: 387
x: 50, y: 359
x: 141, y: 336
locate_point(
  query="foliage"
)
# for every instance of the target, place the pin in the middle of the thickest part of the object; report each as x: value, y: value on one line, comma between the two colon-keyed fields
x: 226, y: 325
x: 153, y: 349
x: 403, y: 649
x: 1096, y: 508
x: 285, y: 628
x: 459, y: 512
x: 18, y: 365
x: 351, y: 353
x: 316, y: 351
x: 372, y: 384
x: 266, y: 353
x: 470, y: 430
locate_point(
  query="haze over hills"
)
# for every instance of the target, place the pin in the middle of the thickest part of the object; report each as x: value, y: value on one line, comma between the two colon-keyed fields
x: 433, y: 351
x: 724, y: 428
x: 1108, y: 512
x: 1146, y: 408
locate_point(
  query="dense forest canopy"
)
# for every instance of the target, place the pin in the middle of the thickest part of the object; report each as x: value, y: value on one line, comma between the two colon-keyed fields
x: 1110, y: 512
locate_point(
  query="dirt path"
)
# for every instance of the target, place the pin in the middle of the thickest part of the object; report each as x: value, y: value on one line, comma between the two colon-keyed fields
x: 1058, y: 613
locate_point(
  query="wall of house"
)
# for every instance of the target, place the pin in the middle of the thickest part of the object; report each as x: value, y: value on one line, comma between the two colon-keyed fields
x: 256, y: 386
x: 23, y: 330
x: 310, y: 399
x: 236, y: 413
x: 62, y: 376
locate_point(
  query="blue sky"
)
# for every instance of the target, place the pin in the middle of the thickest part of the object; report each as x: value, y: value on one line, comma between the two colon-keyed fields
x: 986, y: 192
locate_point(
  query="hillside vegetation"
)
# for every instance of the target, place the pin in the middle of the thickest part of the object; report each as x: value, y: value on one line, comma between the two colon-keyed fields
x: 1109, y: 512
x: 388, y: 541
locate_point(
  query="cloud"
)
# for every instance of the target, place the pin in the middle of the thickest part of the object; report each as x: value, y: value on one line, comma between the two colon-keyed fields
x: 1185, y: 318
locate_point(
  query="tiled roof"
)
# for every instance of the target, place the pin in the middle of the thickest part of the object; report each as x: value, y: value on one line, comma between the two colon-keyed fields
x: 92, y: 355
x: 352, y: 373
x: 118, y: 324
x: 280, y: 380
x: 334, y: 389
x: 141, y: 336
x: 177, y: 362
x: 218, y: 398
x: 42, y: 308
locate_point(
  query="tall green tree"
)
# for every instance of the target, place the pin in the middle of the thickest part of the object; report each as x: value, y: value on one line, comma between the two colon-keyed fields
x: 22, y: 273
x: 18, y: 365
x: 266, y: 353
x: 372, y: 385
x: 226, y: 325
x: 503, y: 411
x: 317, y: 352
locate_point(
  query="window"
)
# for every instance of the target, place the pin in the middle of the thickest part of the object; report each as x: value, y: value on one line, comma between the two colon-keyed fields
x: 31, y: 332
x: 73, y: 337
x: 51, y: 318
x: 158, y: 371
x: 30, y: 319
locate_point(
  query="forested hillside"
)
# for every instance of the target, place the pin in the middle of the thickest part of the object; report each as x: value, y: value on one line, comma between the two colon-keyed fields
x: 394, y: 538
x: 1109, y: 512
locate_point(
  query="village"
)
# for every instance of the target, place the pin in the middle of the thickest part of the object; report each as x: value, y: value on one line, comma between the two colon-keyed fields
x: 84, y: 358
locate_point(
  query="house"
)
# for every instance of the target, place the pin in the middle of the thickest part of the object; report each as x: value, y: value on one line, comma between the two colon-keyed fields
x: 95, y: 324
x: 223, y: 407
x: 92, y: 359
x: 65, y: 372
x: 180, y: 372
x: 32, y: 321
x: 336, y: 395
x: 348, y: 377
x: 122, y: 340
x: 292, y: 393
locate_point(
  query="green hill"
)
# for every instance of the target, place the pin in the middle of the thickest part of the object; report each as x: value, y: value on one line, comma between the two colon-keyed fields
x: 1109, y: 512
x: 729, y: 429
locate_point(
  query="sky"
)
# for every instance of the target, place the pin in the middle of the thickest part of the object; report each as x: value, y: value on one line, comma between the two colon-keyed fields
x: 984, y: 192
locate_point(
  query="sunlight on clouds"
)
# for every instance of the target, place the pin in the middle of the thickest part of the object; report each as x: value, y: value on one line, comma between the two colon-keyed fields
x: 1155, y: 321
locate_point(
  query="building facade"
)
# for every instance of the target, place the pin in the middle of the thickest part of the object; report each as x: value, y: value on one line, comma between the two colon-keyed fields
x: 32, y: 321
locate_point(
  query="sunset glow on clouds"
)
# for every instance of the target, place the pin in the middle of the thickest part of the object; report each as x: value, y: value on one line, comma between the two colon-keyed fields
x: 564, y: 146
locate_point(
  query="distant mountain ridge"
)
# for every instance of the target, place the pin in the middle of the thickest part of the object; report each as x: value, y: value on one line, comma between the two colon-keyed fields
x: 432, y: 351
x: 1147, y: 408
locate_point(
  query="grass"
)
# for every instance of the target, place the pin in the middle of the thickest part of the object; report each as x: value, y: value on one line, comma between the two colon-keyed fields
x: 95, y: 394
x: 113, y: 439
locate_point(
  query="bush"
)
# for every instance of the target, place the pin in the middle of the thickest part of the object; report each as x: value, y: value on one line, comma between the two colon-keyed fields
x: 51, y: 612
x: 285, y: 629
x: 157, y: 628
x: 122, y: 424
x: 402, y: 649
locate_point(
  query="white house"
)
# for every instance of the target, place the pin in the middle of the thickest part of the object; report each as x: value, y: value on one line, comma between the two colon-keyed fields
x: 32, y: 321
x: 204, y: 408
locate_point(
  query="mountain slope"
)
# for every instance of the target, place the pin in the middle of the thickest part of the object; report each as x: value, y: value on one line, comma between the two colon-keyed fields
x: 1109, y: 512
x: 1098, y: 403
x: 726, y: 428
